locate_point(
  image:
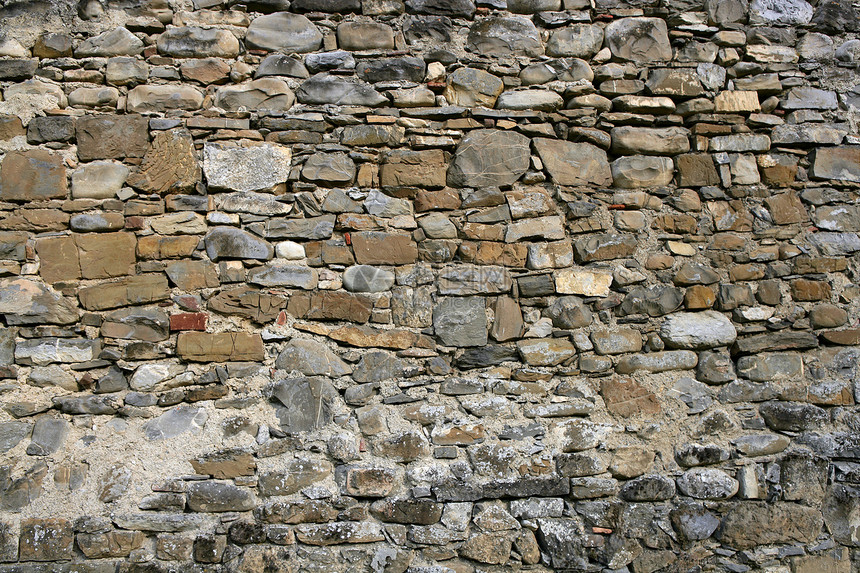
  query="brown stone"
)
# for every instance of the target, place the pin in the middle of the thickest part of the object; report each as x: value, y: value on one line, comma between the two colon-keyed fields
x: 492, y: 548
x: 330, y: 305
x: 58, y: 259
x: 206, y: 71
x: 404, y: 447
x: 377, y: 248
x: 369, y: 482
x: 192, y: 275
x: 105, y: 255
x: 849, y: 337
x: 814, y: 265
x: 245, y: 301
x: 746, y: 272
x: 696, y: 170
x: 785, y: 208
x: 368, y: 337
x: 34, y: 175
x: 486, y: 252
x: 141, y: 289
x: 508, y: 322
x: 225, y: 464
x: 158, y: 247
x: 112, y: 136
x: 170, y: 164
x: 110, y: 544
x: 220, y: 347
x: 413, y: 168
x: 188, y: 321
x: 808, y: 290
x: 698, y: 297
x: 46, y: 540
x: 446, y: 199
x: 752, y: 524
x: 11, y: 126
x: 628, y: 398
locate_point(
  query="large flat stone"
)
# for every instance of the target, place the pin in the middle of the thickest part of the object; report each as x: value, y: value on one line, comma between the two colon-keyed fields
x: 489, y: 158
x: 572, y: 163
x: 220, y: 347
x: 284, y: 32
x: 246, y: 167
x: 35, y: 175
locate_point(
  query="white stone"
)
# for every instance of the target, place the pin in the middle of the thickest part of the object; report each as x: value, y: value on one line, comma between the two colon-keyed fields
x: 582, y: 282
x: 246, y: 167
x: 698, y: 330
x: 290, y: 250
x: 98, y: 180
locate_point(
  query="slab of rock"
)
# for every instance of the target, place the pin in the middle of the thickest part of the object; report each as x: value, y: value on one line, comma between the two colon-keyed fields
x: 98, y: 180
x: 657, y: 362
x: 839, y: 163
x: 604, y: 247
x: 751, y: 524
x: 637, y: 171
x: 365, y: 36
x: 461, y: 321
x: 464, y: 280
x: 146, y: 324
x: 626, y: 398
x: 618, y: 341
x: 116, y: 42
x: 489, y: 158
x: 450, y: 8
x: 641, y: 40
x: 212, y: 496
x: 34, y: 175
x: 324, y: 88
x: 263, y: 94
x: 697, y: 331
x: 511, y: 36
x: 582, y: 282
x: 111, y: 136
x: 194, y: 42
x: 299, y: 474
x: 25, y: 301
x: 162, y: 98
x: 170, y: 164
x: 49, y: 539
x: 305, y: 403
x: 402, y: 167
x: 340, y: 532
x: 378, y: 248
x: 539, y: 228
x: 246, y: 167
x: 546, y: 352
x: 42, y: 351
x: 650, y: 487
x: 650, y: 141
x: 232, y: 243
x: 220, y: 347
x: 572, y: 163
x: 283, y: 32
x: 780, y: 12
x: 366, y: 278
x: 329, y: 168
x: 280, y: 275
x: 281, y: 65
x: 472, y: 87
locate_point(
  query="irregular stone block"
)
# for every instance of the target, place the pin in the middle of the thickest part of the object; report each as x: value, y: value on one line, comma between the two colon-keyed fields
x: 245, y: 167
x: 573, y: 164
x: 111, y: 136
x: 285, y: 32
x: 194, y: 42
x: 489, y: 158
x: 220, y: 347
x: 34, y: 175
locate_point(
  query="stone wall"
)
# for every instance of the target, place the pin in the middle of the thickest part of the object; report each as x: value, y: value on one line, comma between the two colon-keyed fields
x: 429, y: 286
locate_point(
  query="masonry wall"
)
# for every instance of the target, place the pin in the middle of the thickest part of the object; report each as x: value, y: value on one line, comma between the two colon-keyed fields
x: 429, y: 286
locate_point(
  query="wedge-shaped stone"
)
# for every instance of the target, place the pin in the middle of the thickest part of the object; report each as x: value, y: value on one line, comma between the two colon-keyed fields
x: 232, y: 243
x: 572, y: 163
x: 284, y: 32
x: 472, y: 87
x: 546, y: 352
x: 141, y: 289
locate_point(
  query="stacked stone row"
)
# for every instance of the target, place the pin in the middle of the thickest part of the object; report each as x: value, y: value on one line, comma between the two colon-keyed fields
x: 429, y: 286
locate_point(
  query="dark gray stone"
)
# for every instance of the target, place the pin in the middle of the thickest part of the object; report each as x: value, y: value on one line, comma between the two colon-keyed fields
x: 648, y: 488
x: 48, y: 436
x: 461, y: 321
x: 306, y: 403
x: 213, y: 496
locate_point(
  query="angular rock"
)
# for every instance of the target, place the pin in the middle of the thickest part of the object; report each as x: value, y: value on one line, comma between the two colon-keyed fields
x: 311, y: 358
x: 284, y: 32
x: 163, y: 98
x: 307, y: 403
x: 246, y: 167
x: 289, y: 276
x: 220, y: 347
x: 193, y: 42
x: 471, y: 87
x: 577, y: 40
x: 498, y: 36
x: 840, y: 163
x: 300, y: 473
x: 697, y: 331
x: 641, y: 40
x: 331, y: 168
x: 461, y: 321
x: 24, y: 301
x: 489, y: 158
x: 34, y: 175
x: 571, y: 163
x: 648, y: 488
x: 637, y: 171
x: 657, y: 362
x: 263, y: 94
x: 212, y: 496
x: 650, y: 141
x: 175, y: 422
x: 751, y: 524
x: 116, y: 42
x: 49, y: 539
x: 779, y: 12
x: 330, y: 89
x: 232, y: 243
x: 111, y: 136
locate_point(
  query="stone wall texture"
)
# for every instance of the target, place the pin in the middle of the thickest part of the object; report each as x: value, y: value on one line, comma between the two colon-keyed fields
x: 429, y: 286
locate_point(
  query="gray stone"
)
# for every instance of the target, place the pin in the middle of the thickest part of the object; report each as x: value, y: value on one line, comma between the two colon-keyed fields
x: 311, y: 358
x: 561, y: 539
x: 213, y: 496
x: 750, y: 524
x: 577, y: 40
x: 807, y: 134
x: 694, y: 394
x: 232, y: 243
x: 809, y: 98
x: 650, y: 141
x: 471, y: 87
x: 246, y: 167
x: 617, y: 341
x: 48, y: 436
x: 771, y: 366
x: 42, y: 351
x: 175, y: 422
x: 779, y: 12
x: 381, y: 205
x: 498, y: 36
x: 284, y: 32
x: 693, y: 455
x: 11, y: 433
x: 56, y: 128
x: 254, y: 203
x: 650, y: 487
x: 462, y: 280
x: 698, y: 330
x: 657, y: 362
x: 533, y: 6
x: 300, y: 474
x: 308, y: 228
x: 116, y: 42
x: 307, y: 403
x: 365, y: 278
x: 450, y: 8
x: 461, y: 321
x: 146, y: 324
x: 489, y: 158
x: 569, y: 312
x: 641, y: 40
x: 740, y: 142
x: 262, y: 94
x: 761, y: 444
x: 152, y: 521
x: 290, y: 276
x: 377, y: 366
x: 281, y: 65
x: 332, y: 168
x: 536, y: 100
x: 694, y: 522
x: 793, y: 416
x: 24, y: 301
x: 337, y: 59
x: 572, y: 163
x: 840, y: 163
x: 653, y: 301
x: 324, y: 88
